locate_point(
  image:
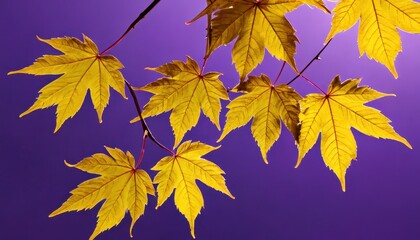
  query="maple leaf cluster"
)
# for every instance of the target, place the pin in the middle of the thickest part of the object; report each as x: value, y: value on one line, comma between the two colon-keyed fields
x: 185, y: 90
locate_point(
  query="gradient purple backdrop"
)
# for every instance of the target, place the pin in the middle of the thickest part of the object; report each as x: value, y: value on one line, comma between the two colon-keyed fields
x: 273, y: 201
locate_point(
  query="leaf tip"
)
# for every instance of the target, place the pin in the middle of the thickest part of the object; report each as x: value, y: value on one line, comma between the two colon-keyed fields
x: 69, y: 164
x: 136, y: 119
x: 406, y: 143
x: 224, y: 134
x: 40, y: 38
x: 55, y: 213
x: 265, y: 161
x: 178, y: 140
x: 394, y: 72
x: 328, y: 38
x: 131, y: 231
x: 216, y: 147
x: 343, y: 184
x: 231, y: 196
x: 299, y: 160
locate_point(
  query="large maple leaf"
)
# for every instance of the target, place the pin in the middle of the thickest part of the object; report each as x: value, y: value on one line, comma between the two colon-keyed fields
x: 267, y: 104
x: 179, y: 173
x: 334, y: 114
x: 82, y: 69
x: 186, y: 91
x: 257, y: 24
x: 121, y: 184
x: 379, y: 20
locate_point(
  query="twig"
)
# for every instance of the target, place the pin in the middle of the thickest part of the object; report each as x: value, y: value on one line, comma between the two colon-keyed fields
x: 208, y: 40
x: 143, y: 148
x: 310, y: 63
x: 132, y: 25
x: 281, y: 71
x: 146, y: 129
x: 313, y: 84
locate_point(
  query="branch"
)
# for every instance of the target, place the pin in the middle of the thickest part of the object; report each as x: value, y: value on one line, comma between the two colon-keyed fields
x: 132, y: 25
x: 208, y: 42
x: 146, y: 129
x: 143, y: 148
x: 314, y: 84
x: 317, y: 57
x: 281, y: 70
x: 209, y: 29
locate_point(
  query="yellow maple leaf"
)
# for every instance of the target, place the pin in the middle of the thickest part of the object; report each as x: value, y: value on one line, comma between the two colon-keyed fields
x: 121, y: 185
x: 379, y: 20
x: 179, y: 173
x: 257, y: 24
x: 333, y: 115
x: 186, y: 91
x: 82, y: 69
x: 267, y: 104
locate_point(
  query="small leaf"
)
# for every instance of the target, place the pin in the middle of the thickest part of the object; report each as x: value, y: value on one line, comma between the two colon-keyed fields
x: 179, y: 173
x: 268, y: 105
x: 121, y: 186
x: 333, y: 115
x: 185, y: 91
x: 82, y: 69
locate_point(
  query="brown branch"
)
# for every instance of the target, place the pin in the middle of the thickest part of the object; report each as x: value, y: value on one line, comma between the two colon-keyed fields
x: 208, y: 39
x: 209, y: 29
x: 317, y: 57
x: 132, y: 25
x: 146, y: 129
x: 281, y: 71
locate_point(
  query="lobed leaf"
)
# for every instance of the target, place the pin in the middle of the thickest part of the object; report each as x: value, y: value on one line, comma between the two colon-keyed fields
x: 333, y: 115
x: 257, y: 25
x: 185, y: 91
x: 82, y: 69
x: 379, y: 19
x: 120, y: 184
x: 179, y: 173
x: 267, y: 104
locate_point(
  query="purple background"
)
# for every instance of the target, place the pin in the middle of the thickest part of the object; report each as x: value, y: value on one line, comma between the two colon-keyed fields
x: 273, y: 201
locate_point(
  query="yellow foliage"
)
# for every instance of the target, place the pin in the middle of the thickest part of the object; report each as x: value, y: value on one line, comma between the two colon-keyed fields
x: 379, y: 20
x: 333, y: 115
x: 121, y: 185
x: 256, y: 25
x: 179, y: 173
x: 186, y: 91
x: 267, y: 104
x: 82, y: 69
